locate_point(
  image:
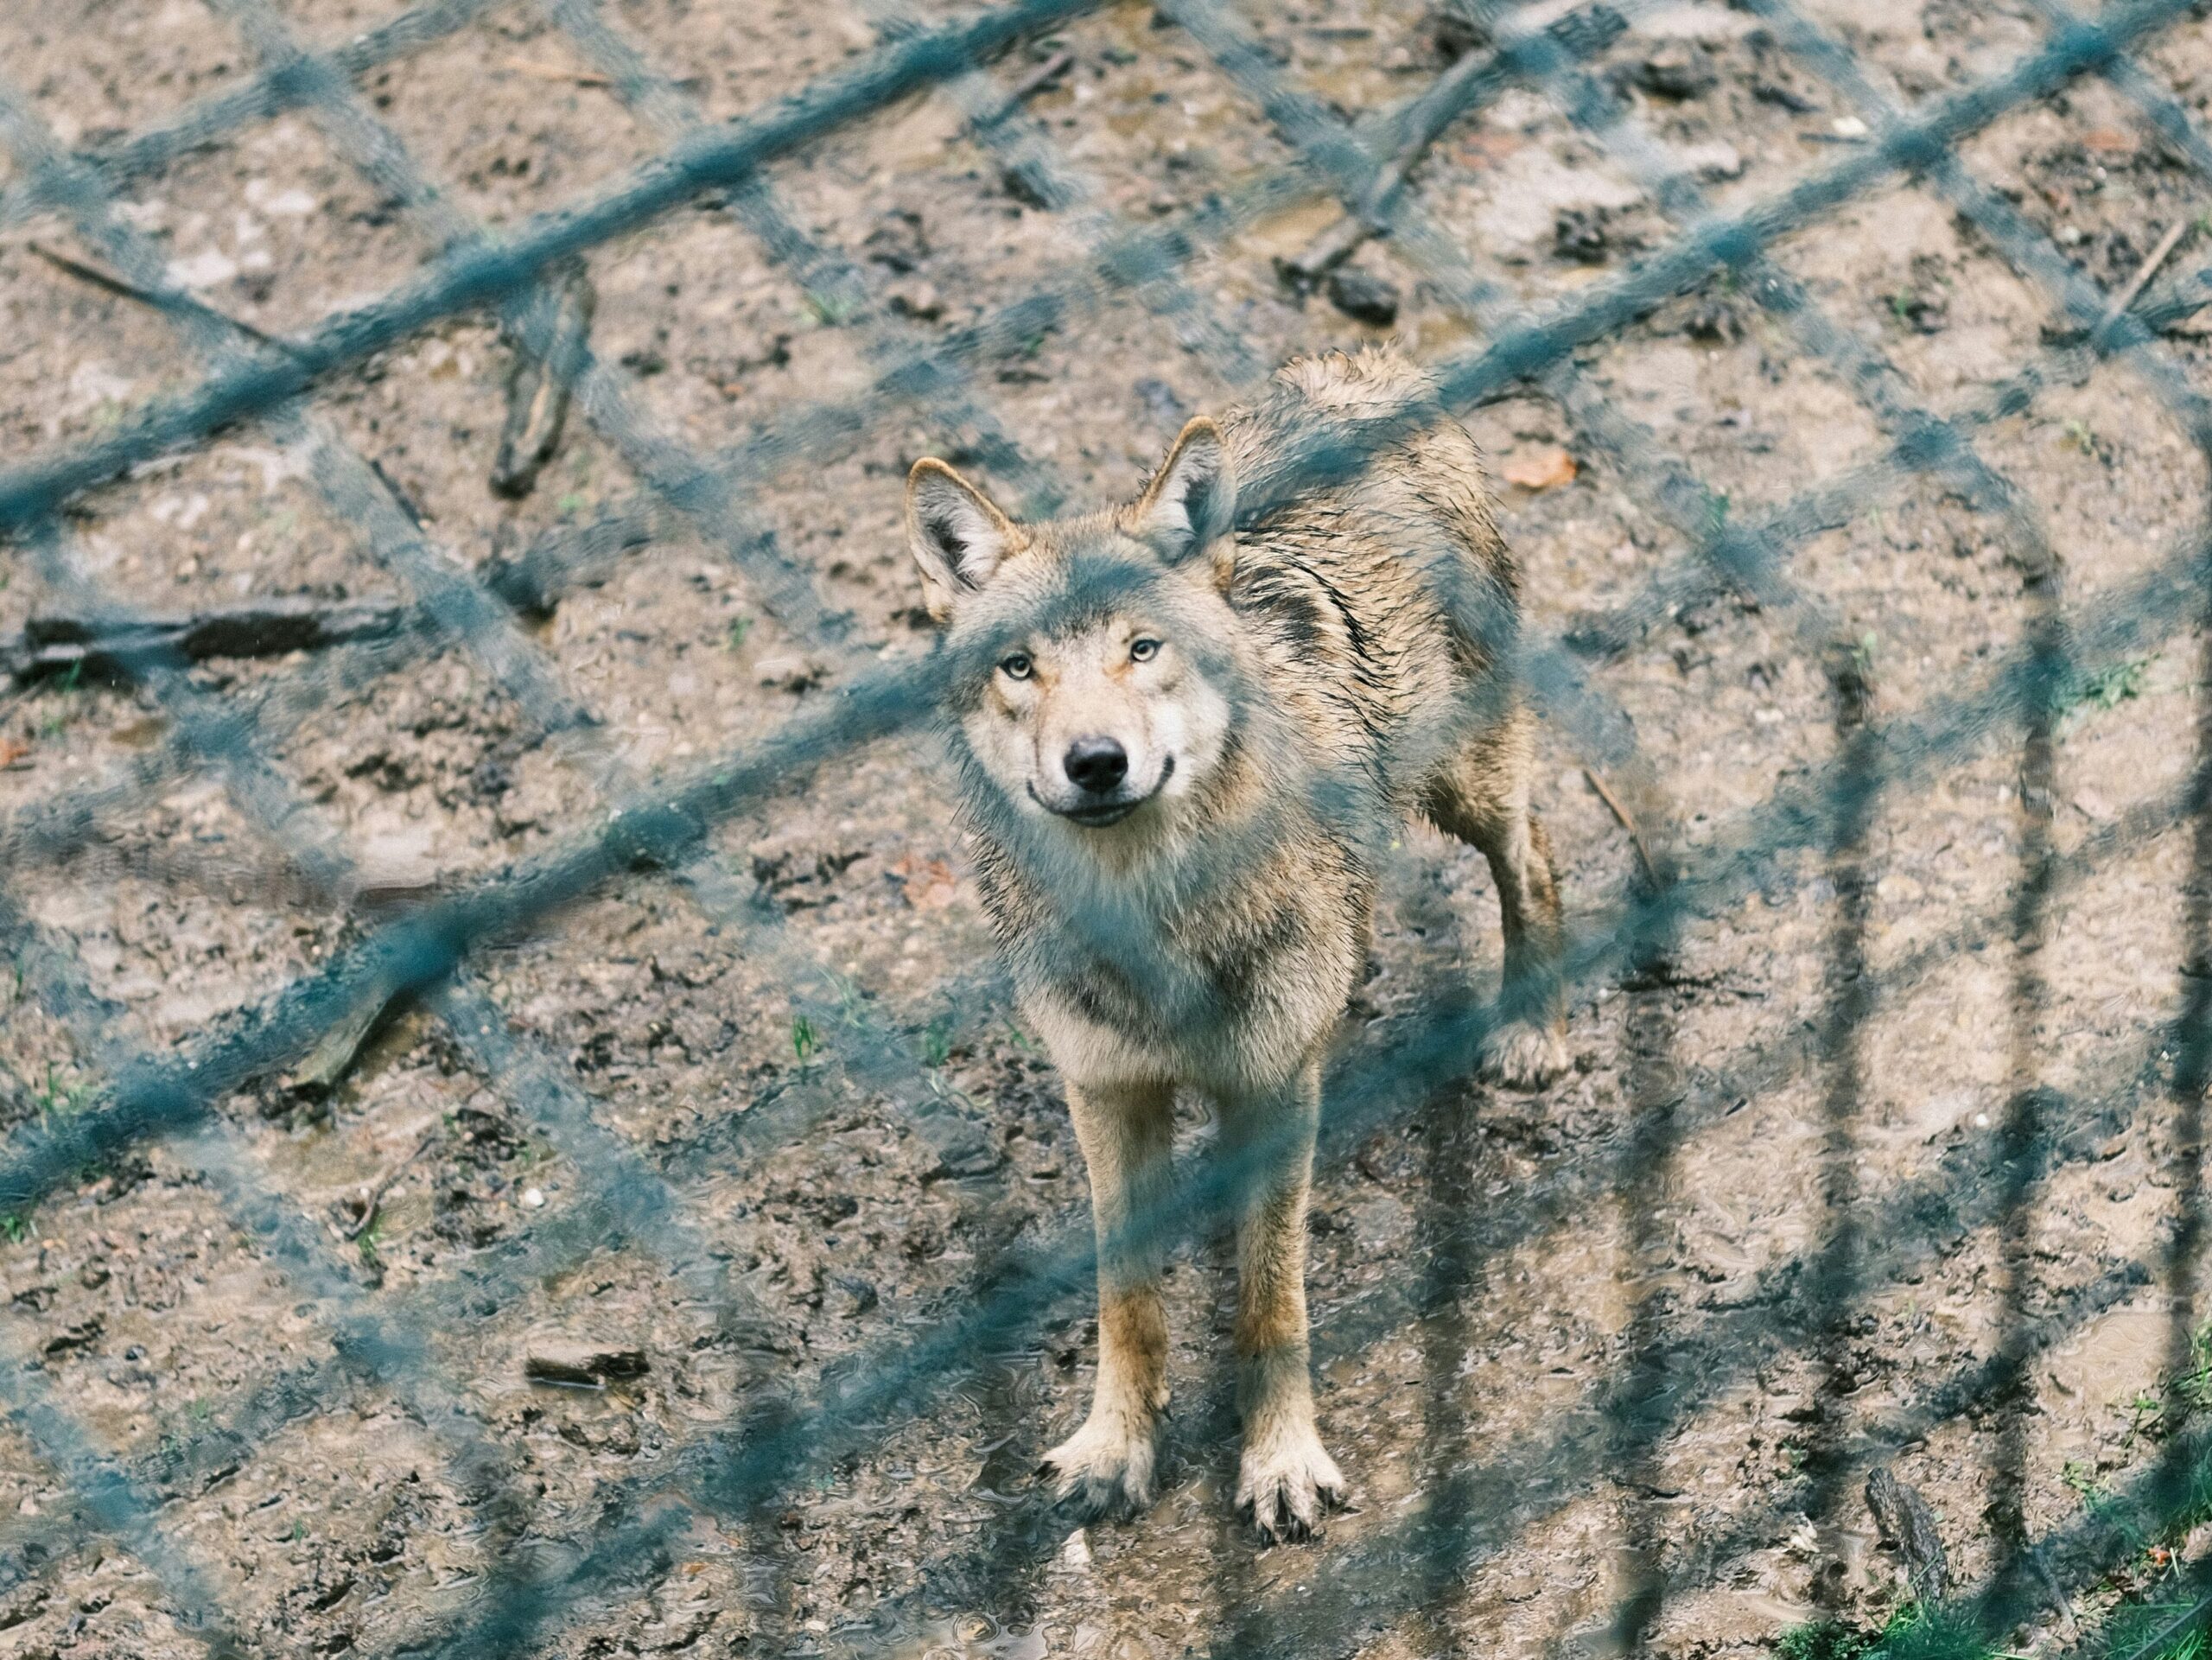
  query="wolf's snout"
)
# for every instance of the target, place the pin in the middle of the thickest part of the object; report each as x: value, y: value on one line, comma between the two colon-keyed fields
x: 1097, y: 765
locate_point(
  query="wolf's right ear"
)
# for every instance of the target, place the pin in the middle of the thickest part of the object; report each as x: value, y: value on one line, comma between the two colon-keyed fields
x: 1190, y: 503
x: 955, y: 533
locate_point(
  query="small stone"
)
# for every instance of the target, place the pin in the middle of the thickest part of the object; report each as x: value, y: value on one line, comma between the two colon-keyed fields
x: 569, y: 1360
x: 1075, y: 1550
x: 533, y: 1197
x: 1715, y: 321
x: 1363, y: 296
x: 788, y: 672
x: 897, y: 242
x: 1849, y: 126
x: 1579, y: 233
x: 1679, y: 69
x: 919, y: 300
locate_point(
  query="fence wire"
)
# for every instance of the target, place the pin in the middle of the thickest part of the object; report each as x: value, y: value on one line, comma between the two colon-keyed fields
x: 432, y: 953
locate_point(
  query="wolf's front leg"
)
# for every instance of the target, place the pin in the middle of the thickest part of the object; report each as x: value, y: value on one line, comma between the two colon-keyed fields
x: 1126, y: 1132
x: 1286, y: 1478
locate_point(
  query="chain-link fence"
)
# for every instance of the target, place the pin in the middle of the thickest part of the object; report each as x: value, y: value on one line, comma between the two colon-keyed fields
x: 1401, y: 1575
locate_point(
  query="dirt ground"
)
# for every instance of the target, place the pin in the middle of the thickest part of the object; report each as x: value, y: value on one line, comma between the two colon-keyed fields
x: 769, y: 1121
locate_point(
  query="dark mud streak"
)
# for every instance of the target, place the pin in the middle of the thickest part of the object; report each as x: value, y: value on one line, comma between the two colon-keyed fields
x: 1838, y: 1273
x: 1452, y: 1277
x: 2023, y: 1138
x: 1645, y: 1404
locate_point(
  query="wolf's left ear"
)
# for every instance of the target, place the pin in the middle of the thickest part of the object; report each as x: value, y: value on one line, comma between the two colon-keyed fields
x: 1190, y: 503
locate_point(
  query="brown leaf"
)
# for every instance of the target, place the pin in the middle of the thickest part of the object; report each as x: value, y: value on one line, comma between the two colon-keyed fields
x: 1538, y: 469
x: 2108, y: 141
x: 930, y: 884
x: 12, y: 750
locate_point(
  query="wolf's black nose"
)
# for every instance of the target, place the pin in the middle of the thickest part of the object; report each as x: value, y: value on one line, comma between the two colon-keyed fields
x: 1096, y: 764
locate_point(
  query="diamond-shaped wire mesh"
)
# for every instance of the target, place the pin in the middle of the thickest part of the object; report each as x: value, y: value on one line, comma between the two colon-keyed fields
x: 562, y: 944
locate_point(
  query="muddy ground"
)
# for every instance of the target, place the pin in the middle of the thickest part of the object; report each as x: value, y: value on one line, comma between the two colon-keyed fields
x: 759, y: 1128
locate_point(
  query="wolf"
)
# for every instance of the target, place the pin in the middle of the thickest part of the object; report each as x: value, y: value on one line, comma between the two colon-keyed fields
x: 1185, y: 731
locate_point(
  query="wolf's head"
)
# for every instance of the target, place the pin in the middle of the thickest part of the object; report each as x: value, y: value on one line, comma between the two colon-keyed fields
x: 1095, y: 654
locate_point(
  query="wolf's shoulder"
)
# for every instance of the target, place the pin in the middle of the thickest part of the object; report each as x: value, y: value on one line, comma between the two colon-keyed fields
x: 1338, y: 388
x: 1373, y: 379
x: 1324, y: 411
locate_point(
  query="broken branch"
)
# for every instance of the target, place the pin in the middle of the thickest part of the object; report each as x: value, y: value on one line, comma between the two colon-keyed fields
x: 118, y: 648
x: 1627, y: 821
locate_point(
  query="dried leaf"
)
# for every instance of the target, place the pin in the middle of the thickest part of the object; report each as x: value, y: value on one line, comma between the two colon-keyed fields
x: 930, y: 884
x: 12, y: 750
x: 1538, y: 469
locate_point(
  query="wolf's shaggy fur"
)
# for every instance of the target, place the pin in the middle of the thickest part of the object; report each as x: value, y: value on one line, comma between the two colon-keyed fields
x: 1183, y: 744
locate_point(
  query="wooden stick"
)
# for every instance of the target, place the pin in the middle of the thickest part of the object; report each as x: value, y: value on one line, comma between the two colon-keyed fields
x: 554, y: 72
x: 1582, y: 32
x: 1627, y: 821
x: 2147, y: 270
x: 538, y: 387
x: 375, y: 1199
x: 115, y: 646
x: 333, y: 1057
x: 113, y: 284
x: 1038, y: 80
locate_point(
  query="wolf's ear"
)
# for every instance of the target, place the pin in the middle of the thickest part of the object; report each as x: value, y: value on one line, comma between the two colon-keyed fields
x: 1190, y: 503
x: 956, y: 535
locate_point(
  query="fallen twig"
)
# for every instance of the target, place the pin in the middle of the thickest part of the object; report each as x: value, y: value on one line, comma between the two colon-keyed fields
x: 110, y: 283
x: 538, y: 386
x: 1582, y: 33
x: 1027, y: 88
x: 116, y: 648
x: 372, y: 1197
x: 2148, y: 268
x: 1627, y: 822
x: 333, y: 1057
x: 555, y: 73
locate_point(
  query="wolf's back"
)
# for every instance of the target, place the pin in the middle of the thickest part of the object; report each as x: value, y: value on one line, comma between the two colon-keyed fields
x: 1370, y: 558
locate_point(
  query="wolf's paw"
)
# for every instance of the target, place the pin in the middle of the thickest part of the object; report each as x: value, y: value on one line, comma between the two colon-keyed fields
x: 1287, y: 1481
x: 1522, y: 1055
x: 1103, y: 1469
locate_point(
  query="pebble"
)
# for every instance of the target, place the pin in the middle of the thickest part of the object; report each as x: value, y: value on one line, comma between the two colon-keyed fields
x: 1363, y: 296
x: 1676, y: 70
x: 788, y: 672
x: 533, y: 1197
x: 1075, y: 1551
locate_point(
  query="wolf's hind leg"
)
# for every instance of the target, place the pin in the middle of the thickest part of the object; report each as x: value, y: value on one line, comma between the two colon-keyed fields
x: 1286, y: 1477
x: 1127, y: 1133
x: 1481, y: 795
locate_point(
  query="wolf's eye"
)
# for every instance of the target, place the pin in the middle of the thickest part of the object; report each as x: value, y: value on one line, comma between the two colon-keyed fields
x: 1015, y: 666
x: 1143, y: 650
